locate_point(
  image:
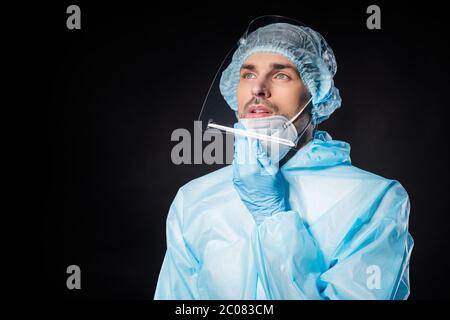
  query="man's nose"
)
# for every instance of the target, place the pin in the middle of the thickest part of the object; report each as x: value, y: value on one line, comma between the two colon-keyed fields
x: 261, y: 90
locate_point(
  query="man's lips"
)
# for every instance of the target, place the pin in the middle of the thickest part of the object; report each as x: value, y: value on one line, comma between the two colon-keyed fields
x: 258, y: 111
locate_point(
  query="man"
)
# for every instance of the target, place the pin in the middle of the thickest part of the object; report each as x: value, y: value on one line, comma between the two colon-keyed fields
x: 300, y: 223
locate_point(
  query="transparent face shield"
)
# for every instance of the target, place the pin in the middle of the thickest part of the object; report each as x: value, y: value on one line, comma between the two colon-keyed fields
x: 276, y: 133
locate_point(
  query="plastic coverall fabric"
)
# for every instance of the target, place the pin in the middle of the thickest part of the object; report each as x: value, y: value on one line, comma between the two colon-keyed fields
x: 343, y: 224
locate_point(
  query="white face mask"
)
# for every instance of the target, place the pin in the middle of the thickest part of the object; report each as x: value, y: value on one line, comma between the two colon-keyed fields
x: 275, y: 128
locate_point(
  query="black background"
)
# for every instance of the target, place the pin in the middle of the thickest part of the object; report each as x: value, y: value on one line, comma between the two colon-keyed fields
x: 88, y: 115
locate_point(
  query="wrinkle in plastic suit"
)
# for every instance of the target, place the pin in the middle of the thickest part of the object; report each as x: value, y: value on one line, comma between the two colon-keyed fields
x: 344, y: 227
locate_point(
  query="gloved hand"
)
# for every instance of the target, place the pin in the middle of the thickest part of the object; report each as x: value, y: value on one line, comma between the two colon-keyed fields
x: 259, y: 183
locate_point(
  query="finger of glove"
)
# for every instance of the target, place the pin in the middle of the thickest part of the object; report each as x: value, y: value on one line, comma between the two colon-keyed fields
x: 264, y: 160
x: 244, y: 151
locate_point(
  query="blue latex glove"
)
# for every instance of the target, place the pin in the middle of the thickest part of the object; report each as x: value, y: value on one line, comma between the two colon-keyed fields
x: 259, y: 183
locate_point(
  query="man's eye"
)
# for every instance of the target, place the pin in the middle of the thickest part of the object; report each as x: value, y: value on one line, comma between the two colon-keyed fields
x: 282, y: 76
x: 248, y: 76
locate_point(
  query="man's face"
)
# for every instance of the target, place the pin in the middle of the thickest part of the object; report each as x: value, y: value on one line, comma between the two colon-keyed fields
x: 270, y: 85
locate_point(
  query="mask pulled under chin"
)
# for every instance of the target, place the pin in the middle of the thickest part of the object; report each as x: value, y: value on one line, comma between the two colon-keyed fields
x: 274, y: 126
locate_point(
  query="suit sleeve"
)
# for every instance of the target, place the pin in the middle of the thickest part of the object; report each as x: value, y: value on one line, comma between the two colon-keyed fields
x: 178, y: 276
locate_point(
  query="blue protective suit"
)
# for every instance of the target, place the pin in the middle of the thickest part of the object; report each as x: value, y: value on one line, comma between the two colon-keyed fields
x: 345, y: 235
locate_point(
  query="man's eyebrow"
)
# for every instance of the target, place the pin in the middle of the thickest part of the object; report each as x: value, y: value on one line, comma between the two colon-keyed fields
x: 279, y: 66
x: 248, y: 66
x: 273, y: 66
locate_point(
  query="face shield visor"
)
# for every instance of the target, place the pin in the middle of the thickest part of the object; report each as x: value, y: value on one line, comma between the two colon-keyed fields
x: 276, y: 133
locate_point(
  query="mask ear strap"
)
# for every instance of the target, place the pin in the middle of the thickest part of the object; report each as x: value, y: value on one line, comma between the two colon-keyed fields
x: 299, y: 113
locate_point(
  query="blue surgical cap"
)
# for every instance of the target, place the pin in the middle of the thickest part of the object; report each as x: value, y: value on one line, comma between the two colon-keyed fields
x: 306, y: 48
